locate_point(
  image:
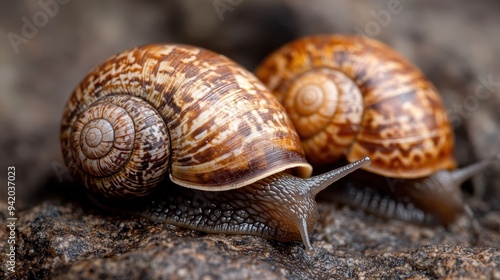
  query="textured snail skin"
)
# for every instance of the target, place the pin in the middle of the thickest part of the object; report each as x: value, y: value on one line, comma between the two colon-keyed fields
x: 280, y: 207
x: 350, y: 95
x: 371, y: 193
x: 431, y: 200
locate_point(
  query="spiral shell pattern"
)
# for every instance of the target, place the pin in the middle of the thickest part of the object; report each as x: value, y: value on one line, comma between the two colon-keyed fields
x: 175, y: 109
x: 120, y: 142
x: 384, y: 109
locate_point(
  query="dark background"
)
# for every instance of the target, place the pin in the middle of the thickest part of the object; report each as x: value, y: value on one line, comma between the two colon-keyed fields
x: 455, y: 43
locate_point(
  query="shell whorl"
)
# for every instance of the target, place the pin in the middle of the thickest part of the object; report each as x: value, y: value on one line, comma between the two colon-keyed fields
x: 385, y: 108
x: 316, y: 103
x: 120, y: 142
x: 178, y: 109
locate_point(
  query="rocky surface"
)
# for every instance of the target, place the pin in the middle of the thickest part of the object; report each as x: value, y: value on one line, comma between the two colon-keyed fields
x: 62, y: 236
x: 70, y: 240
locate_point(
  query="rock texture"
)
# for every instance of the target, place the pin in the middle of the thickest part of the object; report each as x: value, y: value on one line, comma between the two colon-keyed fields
x: 69, y: 240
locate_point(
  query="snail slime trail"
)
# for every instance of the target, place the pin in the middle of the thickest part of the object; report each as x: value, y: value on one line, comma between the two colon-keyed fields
x: 350, y: 96
x: 200, y: 120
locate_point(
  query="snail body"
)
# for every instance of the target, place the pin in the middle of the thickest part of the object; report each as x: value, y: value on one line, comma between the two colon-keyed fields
x: 279, y: 207
x: 350, y: 95
x: 209, y: 125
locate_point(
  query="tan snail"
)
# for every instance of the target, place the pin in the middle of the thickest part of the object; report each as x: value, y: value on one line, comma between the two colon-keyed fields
x: 206, y: 123
x: 350, y: 96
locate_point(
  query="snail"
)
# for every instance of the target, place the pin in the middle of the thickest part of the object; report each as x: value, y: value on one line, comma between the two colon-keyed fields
x: 349, y: 95
x: 207, y: 124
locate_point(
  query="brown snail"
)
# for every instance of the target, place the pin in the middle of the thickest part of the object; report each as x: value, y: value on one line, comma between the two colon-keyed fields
x: 218, y: 133
x: 349, y: 96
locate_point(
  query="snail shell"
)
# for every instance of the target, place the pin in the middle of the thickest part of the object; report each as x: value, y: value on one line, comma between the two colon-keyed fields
x: 211, y: 125
x: 351, y: 96
x: 178, y: 109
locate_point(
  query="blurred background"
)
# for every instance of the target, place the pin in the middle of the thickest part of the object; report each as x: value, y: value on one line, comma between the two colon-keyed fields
x: 47, y: 46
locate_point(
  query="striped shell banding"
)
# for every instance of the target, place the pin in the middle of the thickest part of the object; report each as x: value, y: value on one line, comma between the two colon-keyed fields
x: 350, y: 96
x: 216, y: 124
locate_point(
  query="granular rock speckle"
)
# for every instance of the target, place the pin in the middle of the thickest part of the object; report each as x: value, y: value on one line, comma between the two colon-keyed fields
x: 66, y: 240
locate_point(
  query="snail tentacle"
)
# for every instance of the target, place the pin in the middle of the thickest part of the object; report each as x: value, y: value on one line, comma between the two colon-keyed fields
x: 321, y: 182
